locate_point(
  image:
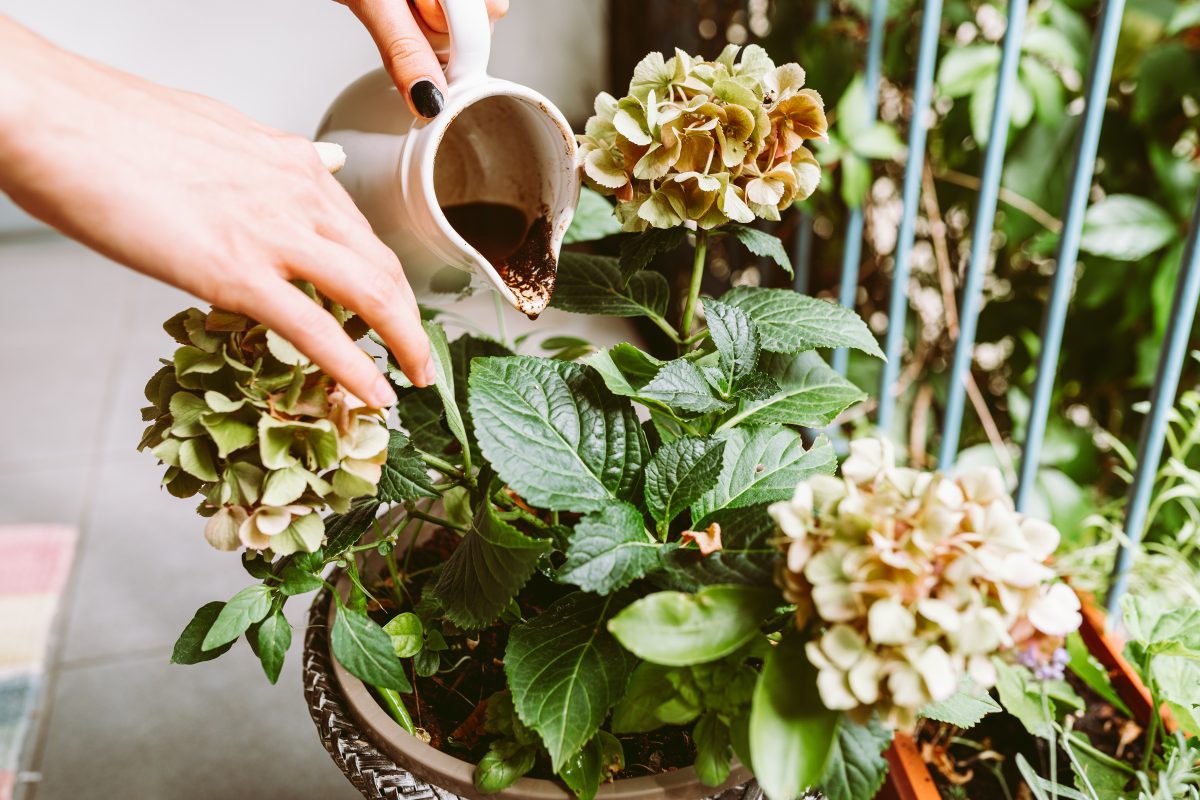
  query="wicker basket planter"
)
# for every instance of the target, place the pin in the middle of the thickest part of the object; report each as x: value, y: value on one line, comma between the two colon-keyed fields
x: 384, y: 762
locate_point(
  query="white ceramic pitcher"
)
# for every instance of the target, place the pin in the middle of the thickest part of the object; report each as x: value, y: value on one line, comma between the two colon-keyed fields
x: 494, y: 142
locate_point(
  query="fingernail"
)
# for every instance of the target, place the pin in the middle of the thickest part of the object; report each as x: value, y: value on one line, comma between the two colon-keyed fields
x: 427, y: 98
x: 382, y: 395
x: 430, y: 372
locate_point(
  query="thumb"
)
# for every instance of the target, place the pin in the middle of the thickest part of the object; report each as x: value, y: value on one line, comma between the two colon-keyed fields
x: 407, y: 55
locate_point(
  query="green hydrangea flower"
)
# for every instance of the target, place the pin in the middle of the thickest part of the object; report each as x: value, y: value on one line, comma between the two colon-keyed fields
x: 707, y: 142
x: 241, y: 417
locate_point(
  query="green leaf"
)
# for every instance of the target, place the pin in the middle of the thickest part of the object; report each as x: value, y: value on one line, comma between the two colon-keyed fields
x: 679, y: 474
x: 735, y: 338
x: 792, y: 734
x: 1022, y: 699
x: 362, y: 647
x: 586, y: 770
x: 565, y: 672
x: 963, y: 68
x: 342, y: 531
x: 963, y: 709
x: 272, y: 639
x: 681, y: 386
x: 761, y: 243
x: 1105, y: 775
x: 196, y: 459
x: 294, y: 580
x: 594, y: 285
x: 810, y: 395
x: 713, y: 749
x: 856, y: 766
x: 762, y: 465
x: 405, y: 476
x: 421, y: 414
x: 227, y: 433
x: 1126, y: 228
x: 609, y: 549
x: 594, y: 219
x: 625, y: 369
x: 554, y: 433
x: 1187, y: 15
x: 789, y: 322
x: 650, y: 701
x: 1046, y: 89
x: 879, y: 142
x: 748, y: 555
x: 1094, y: 676
x: 188, y: 648
x: 487, y: 569
x: 501, y: 768
x: 678, y: 629
x: 407, y: 634
x: 245, y: 608
x: 443, y: 367
x: 856, y: 180
x: 853, y: 113
x: 638, y: 250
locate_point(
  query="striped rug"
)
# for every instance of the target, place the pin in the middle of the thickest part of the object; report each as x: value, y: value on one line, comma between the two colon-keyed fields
x: 35, y: 561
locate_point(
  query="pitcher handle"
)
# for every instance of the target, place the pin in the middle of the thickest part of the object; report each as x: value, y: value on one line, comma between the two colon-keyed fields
x: 470, y: 39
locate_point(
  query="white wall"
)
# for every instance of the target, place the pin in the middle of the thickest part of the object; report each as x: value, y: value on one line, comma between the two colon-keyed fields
x: 283, y: 61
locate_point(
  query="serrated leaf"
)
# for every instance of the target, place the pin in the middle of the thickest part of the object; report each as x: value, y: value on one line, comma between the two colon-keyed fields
x: 681, y: 386
x: 679, y: 474
x: 609, y: 549
x: 638, y: 250
x: 405, y: 476
x: 421, y: 414
x: 677, y: 629
x: 594, y: 219
x: 856, y: 766
x: 811, y: 395
x: 245, y: 608
x: 554, y: 432
x: 789, y: 322
x: 188, y: 649
x: 566, y: 671
x: 361, y: 646
x: 625, y: 369
x: 964, y: 709
x: 439, y: 351
x: 342, y: 531
x: 487, y: 569
x: 748, y: 555
x: 590, y: 284
x: 762, y: 465
x: 272, y: 638
x: 735, y: 337
x: 761, y: 244
x: 756, y: 386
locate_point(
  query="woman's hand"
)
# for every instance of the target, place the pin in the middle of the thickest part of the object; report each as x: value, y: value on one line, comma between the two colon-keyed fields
x: 192, y: 192
x: 401, y: 37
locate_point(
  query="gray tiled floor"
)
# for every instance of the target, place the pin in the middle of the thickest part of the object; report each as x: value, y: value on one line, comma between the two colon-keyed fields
x: 78, y: 339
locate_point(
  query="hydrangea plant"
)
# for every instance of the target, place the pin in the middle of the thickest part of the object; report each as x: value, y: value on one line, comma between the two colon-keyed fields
x: 599, y: 518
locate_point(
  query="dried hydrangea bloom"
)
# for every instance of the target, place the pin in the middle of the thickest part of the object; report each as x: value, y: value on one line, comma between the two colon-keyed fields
x: 914, y: 580
x: 705, y: 142
x: 243, y: 418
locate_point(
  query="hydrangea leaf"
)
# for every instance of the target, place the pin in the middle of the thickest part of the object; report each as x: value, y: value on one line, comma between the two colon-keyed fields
x: 810, y: 394
x: 594, y: 219
x: 590, y: 284
x: 748, y: 554
x: 681, y: 386
x: 856, y: 766
x: 735, y: 338
x: 609, y: 549
x: 444, y: 369
x: 344, y: 530
x: 638, y: 250
x: 789, y: 322
x: 964, y: 709
x: 405, y: 476
x: 679, y: 474
x: 762, y: 244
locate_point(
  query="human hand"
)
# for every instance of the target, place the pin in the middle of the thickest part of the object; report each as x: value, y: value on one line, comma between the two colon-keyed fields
x: 407, y: 54
x: 190, y: 191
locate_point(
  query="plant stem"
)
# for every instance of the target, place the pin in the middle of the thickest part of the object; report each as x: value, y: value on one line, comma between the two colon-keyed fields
x: 395, y: 706
x: 689, y: 308
x: 1155, y: 721
x: 445, y: 523
x: 441, y: 465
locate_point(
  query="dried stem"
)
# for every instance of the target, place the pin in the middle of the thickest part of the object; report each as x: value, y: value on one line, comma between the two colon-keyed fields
x: 1038, y: 214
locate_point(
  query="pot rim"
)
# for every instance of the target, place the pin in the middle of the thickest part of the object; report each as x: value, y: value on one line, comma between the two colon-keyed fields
x: 454, y: 774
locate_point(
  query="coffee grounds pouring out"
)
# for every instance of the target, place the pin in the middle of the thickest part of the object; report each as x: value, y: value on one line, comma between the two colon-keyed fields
x: 523, y: 257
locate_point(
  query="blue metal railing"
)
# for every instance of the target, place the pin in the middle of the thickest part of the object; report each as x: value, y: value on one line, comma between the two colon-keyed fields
x: 1187, y: 290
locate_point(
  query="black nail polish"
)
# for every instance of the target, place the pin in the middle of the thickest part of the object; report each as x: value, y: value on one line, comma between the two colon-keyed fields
x: 427, y: 99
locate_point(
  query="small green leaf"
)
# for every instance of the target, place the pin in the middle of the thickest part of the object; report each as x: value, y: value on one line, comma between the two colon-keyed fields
x: 362, y: 647
x: 188, y: 648
x: 1088, y: 670
x: 245, y: 608
x: 638, y: 250
x: 713, y: 749
x: 1022, y: 699
x: 407, y: 634
x: 444, y: 368
x: 856, y: 179
x: 594, y: 219
x: 625, y: 369
x: 963, y: 68
x: 594, y: 285
x: 810, y: 394
x: 761, y: 243
x: 792, y: 734
x: 735, y: 338
x: 1126, y: 228
x: 679, y: 474
x: 789, y: 322
x: 196, y: 459
x: 964, y: 709
x: 342, y: 531
x: 272, y: 639
x: 609, y: 549
x: 587, y: 769
x: 501, y: 767
x: 681, y: 386
x: 295, y: 580
x: 879, y: 142
x: 650, y: 701
x: 565, y: 672
x: 856, y: 766
x: 405, y: 476
x: 679, y: 629
x: 1105, y: 775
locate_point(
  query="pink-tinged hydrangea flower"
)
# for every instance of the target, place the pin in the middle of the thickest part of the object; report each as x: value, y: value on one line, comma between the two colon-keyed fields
x: 706, y: 142
x: 914, y: 580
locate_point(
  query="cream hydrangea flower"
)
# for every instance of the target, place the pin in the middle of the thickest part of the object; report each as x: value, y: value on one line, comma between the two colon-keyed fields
x: 915, y: 580
x: 706, y: 142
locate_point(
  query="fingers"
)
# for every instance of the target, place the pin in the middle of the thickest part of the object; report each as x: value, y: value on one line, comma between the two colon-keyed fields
x: 293, y: 315
x: 406, y: 52
x: 433, y: 16
x: 381, y: 296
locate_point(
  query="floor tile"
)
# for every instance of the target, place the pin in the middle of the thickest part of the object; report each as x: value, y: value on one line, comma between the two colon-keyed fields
x: 43, y: 494
x: 148, y: 729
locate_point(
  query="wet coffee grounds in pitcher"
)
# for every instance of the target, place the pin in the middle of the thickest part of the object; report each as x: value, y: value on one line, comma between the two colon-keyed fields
x: 521, y: 256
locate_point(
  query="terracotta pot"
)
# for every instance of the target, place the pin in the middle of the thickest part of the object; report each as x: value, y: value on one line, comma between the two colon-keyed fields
x: 447, y: 772
x: 908, y: 775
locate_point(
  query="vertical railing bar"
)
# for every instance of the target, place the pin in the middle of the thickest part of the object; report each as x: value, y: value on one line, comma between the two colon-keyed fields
x: 921, y: 118
x: 802, y: 250
x: 981, y: 234
x: 852, y: 254
x: 821, y: 16
x: 1099, y: 77
x: 1162, y: 398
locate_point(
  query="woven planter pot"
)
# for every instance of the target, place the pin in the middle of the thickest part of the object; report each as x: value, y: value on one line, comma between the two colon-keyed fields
x: 382, y: 761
